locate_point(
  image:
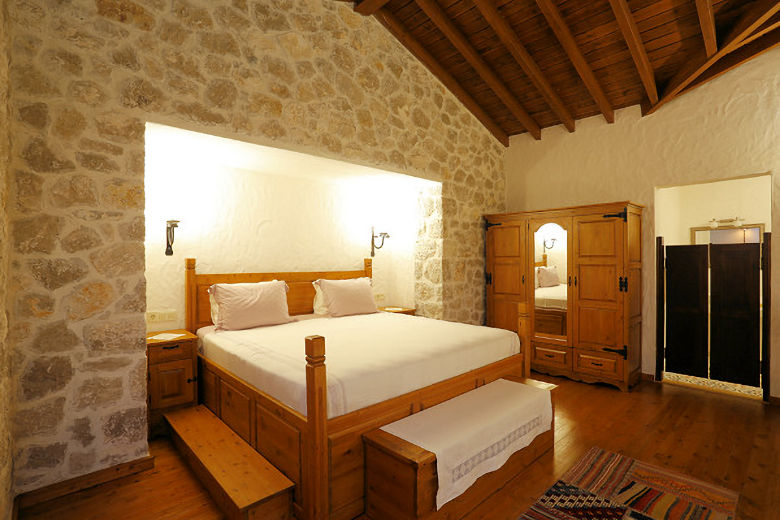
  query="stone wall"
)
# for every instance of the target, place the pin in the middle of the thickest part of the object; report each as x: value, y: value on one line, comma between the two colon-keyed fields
x: 308, y: 75
x: 6, y: 401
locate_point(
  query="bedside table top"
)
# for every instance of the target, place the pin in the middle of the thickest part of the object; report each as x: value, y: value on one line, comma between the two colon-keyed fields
x: 185, y: 335
x: 397, y: 309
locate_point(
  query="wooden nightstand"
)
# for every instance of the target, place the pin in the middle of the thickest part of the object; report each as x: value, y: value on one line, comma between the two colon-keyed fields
x: 172, y: 375
x: 399, y: 310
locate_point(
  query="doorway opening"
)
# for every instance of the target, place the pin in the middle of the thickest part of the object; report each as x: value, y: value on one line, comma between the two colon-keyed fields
x: 713, y: 285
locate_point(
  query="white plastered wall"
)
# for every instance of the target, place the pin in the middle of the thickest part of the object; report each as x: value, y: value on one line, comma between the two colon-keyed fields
x: 680, y: 208
x: 236, y: 219
x: 727, y: 128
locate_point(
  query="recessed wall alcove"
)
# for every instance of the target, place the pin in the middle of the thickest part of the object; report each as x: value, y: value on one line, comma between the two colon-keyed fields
x: 243, y: 207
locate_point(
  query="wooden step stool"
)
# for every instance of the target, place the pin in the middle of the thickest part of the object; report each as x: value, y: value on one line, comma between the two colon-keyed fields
x: 243, y: 483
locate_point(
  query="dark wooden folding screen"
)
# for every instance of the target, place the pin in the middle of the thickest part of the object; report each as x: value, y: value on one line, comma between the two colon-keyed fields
x: 686, y: 310
x: 713, y: 311
x: 735, y: 330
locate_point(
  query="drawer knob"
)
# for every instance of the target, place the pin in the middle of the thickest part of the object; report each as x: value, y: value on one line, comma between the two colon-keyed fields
x: 171, y: 347
x: 549, y: 355
x: 596, y: 364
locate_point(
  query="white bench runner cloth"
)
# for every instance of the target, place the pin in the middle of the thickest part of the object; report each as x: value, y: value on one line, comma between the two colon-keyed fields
x: 476, y: 432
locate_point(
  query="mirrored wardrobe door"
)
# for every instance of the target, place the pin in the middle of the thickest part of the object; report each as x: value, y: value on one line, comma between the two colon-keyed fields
x: 551, y: 288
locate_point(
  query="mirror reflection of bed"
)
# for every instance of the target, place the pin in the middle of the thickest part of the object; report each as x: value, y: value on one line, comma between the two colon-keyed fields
x: 550, y: 283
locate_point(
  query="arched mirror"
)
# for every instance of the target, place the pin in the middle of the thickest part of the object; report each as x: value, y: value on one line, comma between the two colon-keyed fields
x: 551, y: 290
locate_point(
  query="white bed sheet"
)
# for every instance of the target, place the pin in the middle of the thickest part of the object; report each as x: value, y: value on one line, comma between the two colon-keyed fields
x: 369, y: 358
x: 552, y: 297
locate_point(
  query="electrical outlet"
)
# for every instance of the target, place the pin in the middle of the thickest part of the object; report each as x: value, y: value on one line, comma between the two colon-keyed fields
x: 379, y: 298
x: 161, y: 316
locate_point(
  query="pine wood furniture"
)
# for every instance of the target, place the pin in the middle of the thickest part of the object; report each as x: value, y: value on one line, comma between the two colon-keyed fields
x: 714, y: 437
x: 323, y: 457
x: 600, y: 337
x: 171, y: 374
x: 242, y: 482
x: 399, y: 310
x: 402, y: 483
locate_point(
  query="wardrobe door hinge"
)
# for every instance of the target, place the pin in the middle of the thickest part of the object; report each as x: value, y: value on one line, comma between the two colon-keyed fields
x: 489, y: 225
x: 622, y: 215
x: 623, y: 284
x: 488, y: 278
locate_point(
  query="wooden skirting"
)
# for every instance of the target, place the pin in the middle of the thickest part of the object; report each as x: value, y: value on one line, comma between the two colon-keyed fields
x: 648, y: 377
x: 774, y: 400
x: 89, y: 480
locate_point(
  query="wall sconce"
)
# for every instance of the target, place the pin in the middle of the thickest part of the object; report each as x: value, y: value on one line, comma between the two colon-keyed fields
x: 383, y: 236
x: 169, y: 227
x: 735, y: 221
x: 551, y: 241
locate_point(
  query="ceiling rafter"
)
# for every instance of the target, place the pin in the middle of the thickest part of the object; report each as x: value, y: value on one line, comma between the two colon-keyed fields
x: 509, y: 38
x: 398, y: 30
x: 472, y: 56
x: 707, y: 24
x: 636, y: 47
x: 569, y: 44
x: 768, y: 41
x: 369, y: 7
x: 750, y: 22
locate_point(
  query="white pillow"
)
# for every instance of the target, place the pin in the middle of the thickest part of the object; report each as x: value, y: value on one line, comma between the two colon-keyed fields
x: 347, y: 297
x: 320, y: 307
x: 246, y: 305
x: 548, y: 276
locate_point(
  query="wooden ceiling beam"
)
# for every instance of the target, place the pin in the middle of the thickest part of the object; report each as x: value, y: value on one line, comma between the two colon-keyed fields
x: 369, y: 7
x: 566, y: 38
x: 743, y: 54
x: 767, y: 27
x: 472, y: 56
x: 510, y: 40
x: 633, y: 39
x: 403, y: 35
x: 753, y: 20
x: 707, y: 24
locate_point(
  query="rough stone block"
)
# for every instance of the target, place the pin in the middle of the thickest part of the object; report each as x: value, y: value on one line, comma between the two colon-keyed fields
x: 44, y: 376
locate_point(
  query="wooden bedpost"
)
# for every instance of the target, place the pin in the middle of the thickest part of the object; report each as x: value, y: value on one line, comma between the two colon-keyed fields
x: 315, y: 481
x: 368, y: 266
x: 190, y: 294
x: 524, y: 331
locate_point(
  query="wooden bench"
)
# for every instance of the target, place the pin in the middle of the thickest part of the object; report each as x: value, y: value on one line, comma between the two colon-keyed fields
x: 242, y: 482
x: 402, y: 482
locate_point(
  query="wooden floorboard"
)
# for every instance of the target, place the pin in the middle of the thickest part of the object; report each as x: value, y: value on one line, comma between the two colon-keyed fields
x: 730, y: 441
x: 170, y: 491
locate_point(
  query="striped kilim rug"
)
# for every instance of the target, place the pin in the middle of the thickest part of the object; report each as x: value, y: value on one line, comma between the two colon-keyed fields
x: 605, y: 485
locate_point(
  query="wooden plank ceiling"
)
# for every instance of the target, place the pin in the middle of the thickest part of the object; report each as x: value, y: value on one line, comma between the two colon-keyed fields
x: 523, y: 65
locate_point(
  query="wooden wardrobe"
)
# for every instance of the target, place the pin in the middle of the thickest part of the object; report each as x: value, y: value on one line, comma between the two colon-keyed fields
x: 586, y: 318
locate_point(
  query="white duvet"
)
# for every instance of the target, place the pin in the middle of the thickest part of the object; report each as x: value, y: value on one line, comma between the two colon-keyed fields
x: 369, y: 358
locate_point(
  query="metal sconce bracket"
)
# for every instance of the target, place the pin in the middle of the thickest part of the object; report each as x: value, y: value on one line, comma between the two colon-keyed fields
x: 383, y: 236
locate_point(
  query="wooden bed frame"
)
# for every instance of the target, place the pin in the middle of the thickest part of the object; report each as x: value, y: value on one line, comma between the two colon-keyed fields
x: 324, y: 457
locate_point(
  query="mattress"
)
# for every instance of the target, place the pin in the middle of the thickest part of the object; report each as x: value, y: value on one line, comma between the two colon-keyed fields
x: 552, y: 297
x: 369, y: 358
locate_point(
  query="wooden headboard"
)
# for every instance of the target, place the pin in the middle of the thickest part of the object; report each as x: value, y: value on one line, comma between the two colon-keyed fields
x: 300, y: 299
x: 543, y: 263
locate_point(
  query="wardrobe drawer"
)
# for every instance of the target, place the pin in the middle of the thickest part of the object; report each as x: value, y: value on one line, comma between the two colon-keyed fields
x: 552, y: 356
x: 598, y: 363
